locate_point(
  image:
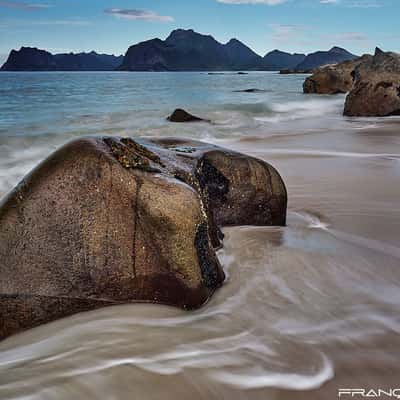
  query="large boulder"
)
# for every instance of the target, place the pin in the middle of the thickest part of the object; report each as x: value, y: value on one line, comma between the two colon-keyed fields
x: 376, y: 90
x: 333, y: 79
x: 105, y: 221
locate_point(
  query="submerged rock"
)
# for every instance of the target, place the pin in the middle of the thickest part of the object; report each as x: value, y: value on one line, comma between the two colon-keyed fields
x: 105, y: 221
x: 294, y: 71
x: 333, y: 79
x: 227, y: 73
x: 180, y: 115
x: 251, y: 90
x: 376, y: 90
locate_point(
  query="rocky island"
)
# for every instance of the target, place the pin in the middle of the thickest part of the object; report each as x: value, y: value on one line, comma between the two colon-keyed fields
x: 34, y: 59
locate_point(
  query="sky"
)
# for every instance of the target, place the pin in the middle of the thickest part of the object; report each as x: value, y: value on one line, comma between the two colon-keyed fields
x: 112, y: 26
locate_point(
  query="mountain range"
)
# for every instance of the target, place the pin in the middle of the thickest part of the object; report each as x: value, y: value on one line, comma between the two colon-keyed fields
x: 33, y: 59
x: 183, y: 50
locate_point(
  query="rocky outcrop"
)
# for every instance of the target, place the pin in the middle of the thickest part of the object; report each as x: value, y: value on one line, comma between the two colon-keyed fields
x: 376, y: 89
x: 333, y: 79
x: 105, y: 221
x: 33, y: 59
x: 333, y: 56
x: 180, y: 115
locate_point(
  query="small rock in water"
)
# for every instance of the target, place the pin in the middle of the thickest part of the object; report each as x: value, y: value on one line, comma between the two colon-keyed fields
x: 180, y: 115
x: 252, y: 90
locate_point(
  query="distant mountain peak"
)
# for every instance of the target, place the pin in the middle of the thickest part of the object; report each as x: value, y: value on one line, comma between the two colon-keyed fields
x: 183, y: 34
x: 237, y: 44
x: 277, y: 59
x: 337, y: 49
x: 182, y: 30
x: 276, y: 51
x: 333, y: 56
x: 234, y: 41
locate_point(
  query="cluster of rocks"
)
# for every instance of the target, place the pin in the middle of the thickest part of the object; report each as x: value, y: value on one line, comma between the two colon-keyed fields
x: 372, y: 84
x: 108, y: 220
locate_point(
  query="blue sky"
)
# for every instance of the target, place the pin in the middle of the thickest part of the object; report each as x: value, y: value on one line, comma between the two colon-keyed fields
x: 112, y: 26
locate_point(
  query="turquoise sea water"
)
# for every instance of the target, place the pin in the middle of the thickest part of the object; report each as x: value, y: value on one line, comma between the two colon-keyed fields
x: 307, y: 309
x: 56, y: 102
x: 40, y: 111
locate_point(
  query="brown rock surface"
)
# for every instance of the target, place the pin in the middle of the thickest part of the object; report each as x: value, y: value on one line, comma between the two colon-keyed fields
x: 333, y: 79
x: 106, y: 221
x: 180, y: 115
x: 376, y: 90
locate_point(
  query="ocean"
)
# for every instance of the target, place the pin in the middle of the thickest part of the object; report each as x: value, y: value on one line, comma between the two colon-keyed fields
x: 306, y: 310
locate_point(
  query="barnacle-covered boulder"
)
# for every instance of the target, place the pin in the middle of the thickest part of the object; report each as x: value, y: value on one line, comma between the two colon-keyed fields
x: 105, y: 221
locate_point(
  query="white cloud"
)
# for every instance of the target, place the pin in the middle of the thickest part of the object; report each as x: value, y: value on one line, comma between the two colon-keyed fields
x: 268, y: 2
x: 363, y: 4
x: 353, y: 3
x: 26, y: 23
x: 305, y: 37
x: 72, y: 21
x: 23, y: 6
x: 348, y: 37
x: 134, y: 14
x: 289, y: 34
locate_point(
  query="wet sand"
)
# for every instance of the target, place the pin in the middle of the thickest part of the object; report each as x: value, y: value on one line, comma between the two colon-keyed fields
x: 306, y: 310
